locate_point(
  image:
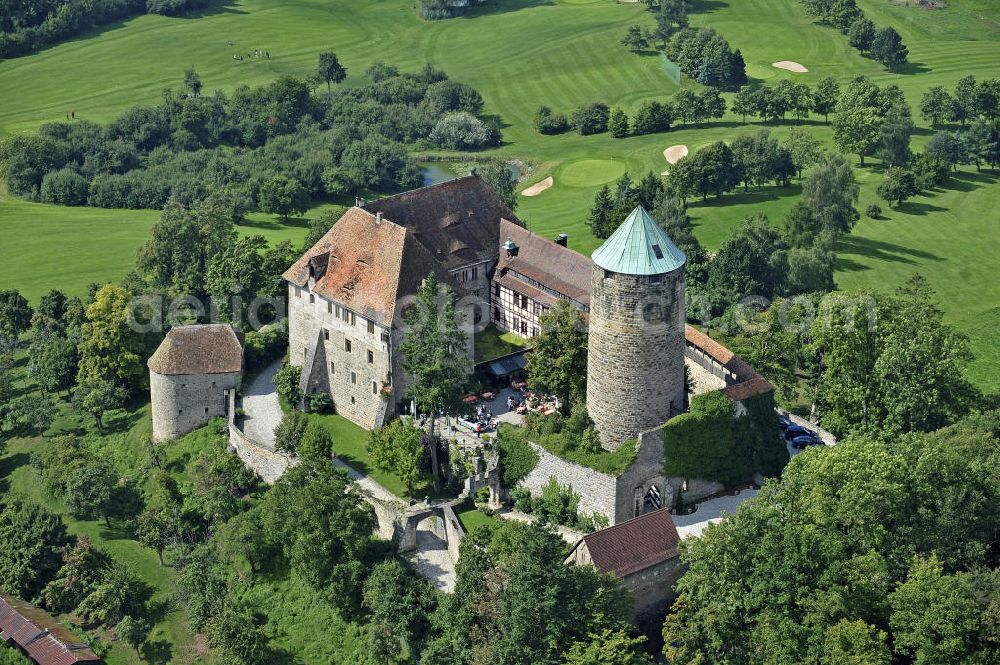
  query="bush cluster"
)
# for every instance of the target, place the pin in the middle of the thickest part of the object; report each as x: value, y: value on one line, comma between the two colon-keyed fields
x: 705, y: 56
x: 325, y: 144
x: 28, y: 26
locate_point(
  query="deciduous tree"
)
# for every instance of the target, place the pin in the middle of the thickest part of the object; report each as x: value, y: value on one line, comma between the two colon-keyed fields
x: 558, y: 364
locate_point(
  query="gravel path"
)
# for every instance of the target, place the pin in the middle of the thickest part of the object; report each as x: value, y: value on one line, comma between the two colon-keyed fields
x: 260, y: 403
x: 708, y: 512
x: 431, y: 559
x: 367, y: 483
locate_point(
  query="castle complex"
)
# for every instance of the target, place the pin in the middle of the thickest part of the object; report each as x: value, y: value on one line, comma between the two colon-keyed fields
x: 347, y: 293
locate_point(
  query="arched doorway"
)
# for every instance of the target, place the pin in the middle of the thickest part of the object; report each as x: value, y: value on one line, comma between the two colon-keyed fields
x: 652, y: 500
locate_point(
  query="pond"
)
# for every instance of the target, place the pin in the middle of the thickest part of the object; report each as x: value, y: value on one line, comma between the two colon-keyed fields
x: 437, y: 172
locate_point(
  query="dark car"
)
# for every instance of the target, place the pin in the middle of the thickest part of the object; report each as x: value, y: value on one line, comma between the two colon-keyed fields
x: 793, y: 431
x: 785, y: 422
x: 806, y: 440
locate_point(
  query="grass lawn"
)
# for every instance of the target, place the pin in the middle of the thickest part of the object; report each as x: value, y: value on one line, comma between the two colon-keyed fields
x: 521, y: 54
x: 491, y: 343
x: 350, y: 443
x: 471, y: 517
x: 93, y: 244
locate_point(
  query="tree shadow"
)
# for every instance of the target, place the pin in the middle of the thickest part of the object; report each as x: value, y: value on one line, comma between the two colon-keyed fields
x: 7, y: 466
x: 704, y: 6
x: 275, y: 224
x: 752, y: 197
x: 214, y: 7
x: 500, y: 7
x: 919, y: 209
x: 972, y: 179
x: 910, y: 68
x: 157, y: 652
x: 878, y: 250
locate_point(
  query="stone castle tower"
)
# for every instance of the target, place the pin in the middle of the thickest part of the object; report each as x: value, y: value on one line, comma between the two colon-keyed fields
x: 635, y: 361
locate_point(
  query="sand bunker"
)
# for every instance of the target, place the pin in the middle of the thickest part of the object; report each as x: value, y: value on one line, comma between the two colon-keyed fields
x: 674, y: 153
x: 790, y: 65
x: 538, y: 187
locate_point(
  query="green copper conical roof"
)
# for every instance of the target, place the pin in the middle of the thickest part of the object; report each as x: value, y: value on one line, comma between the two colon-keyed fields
x: 639, y: 247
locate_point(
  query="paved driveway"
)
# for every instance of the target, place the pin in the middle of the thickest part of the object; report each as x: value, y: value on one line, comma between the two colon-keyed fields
x: 260, y: 403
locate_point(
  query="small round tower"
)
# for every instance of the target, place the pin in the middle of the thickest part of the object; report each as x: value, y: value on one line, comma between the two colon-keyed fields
x: 635, y: 360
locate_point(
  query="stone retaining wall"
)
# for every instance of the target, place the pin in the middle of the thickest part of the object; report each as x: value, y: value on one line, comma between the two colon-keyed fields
x: 597, y: 490
x: 266, y: 463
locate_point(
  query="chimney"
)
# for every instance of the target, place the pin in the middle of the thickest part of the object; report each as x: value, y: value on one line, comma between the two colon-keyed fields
x: 378, y: 218
x: 562, y: 239
x: 359, y: 202
x: 511, y: 247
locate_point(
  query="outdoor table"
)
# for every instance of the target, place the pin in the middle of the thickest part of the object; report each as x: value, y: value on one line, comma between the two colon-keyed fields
x: 487, y: 396
x: 470, y: 399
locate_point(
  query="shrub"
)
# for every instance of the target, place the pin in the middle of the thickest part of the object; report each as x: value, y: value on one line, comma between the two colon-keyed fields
x: 652, y: 117
x: 547, y: 122
x: 132, y: 631
x: 286, y: 381
x: 319, y: 402
x: 522, y: 499
x: 874, y: 211
x: 289, y: 431
x: 65, y: 187
x: 462, y: 131
x: 558, y: 503
x: 517, y: 457
x: 592, y: 118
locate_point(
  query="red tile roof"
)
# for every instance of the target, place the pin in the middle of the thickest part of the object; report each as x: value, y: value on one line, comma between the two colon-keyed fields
x: 748, y: 381
x: 198, y: 349
x: 43, y: 638
x: 633, y: 545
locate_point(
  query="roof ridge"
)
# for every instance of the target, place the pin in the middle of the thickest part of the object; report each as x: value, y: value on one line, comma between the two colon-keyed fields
x: 423, y: 188
x: 629, y: 521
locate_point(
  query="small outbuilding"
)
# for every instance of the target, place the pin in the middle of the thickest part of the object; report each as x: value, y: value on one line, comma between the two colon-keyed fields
x: 642, y: 553
x: 192, y: 376
x: 39, y: 636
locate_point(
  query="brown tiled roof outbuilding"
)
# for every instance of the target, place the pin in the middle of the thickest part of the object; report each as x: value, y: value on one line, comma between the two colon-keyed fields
x: 43, y: 638
x: 212, y: 348
x: 633, y: 545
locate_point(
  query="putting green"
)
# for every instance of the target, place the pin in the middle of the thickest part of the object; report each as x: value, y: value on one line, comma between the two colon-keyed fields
x: 591, y: 172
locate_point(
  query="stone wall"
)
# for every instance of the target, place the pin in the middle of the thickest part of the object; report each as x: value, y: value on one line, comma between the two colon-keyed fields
x: 184, y: 402
x: 454, y: 533
x: 355, y: 376
x: 266, y: 463
x: 597, y: 490
x: 618, y: 498
x: 653, y: 589
x: 635, y: 361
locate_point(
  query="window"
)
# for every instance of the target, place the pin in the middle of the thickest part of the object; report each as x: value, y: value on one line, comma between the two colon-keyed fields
x: 180, y: 411
x: 534, y: 331
x: 654, y: 279
x: 658, y: 251
x: 496, y: 289
x: 608, y: 274
x: 333, y: 368
x: 535, y: 309
x: 371, y: 327
x: 206, y: 409
x: 465, y: 275
x: 517, y: 324
x: 371, y: 358
x: 347, y: 345
x: 352, y: 399
x: 326, y: 334
x: 524, y: 302
x: 298, y: 291
x: 312, y: 298
x: 524, y: 328
x: 354, y: 378
x: 329, y: 308
x: 374, y: 388
x: 496, y: 314
x: 475, y: 273
x: 337, y: 310
x: 385, y: 337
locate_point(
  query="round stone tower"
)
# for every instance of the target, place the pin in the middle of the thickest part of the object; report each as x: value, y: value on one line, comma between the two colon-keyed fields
x: 635, y: 361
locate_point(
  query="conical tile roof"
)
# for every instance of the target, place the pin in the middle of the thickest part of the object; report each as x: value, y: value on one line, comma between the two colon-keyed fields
x: 639, y: 247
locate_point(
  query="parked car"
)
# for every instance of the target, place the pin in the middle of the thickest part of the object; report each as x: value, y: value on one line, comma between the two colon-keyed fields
x: 793, y: 431
x: 477, y: 427
x: 806, y: 440
x: 785, y: 422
